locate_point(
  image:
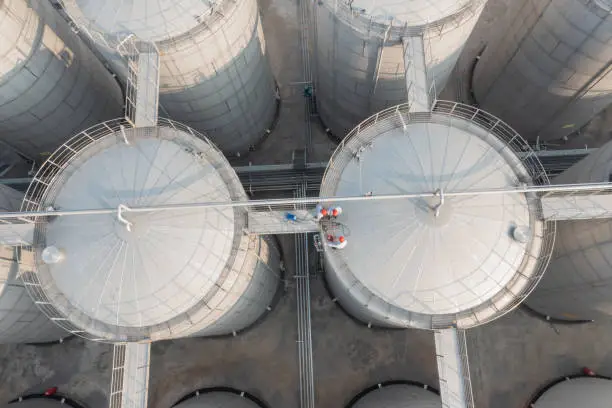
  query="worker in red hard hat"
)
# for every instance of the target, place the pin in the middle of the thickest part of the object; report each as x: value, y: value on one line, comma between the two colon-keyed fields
x: 334, y: 211
x: 339, y: 243
x: 320, y: 212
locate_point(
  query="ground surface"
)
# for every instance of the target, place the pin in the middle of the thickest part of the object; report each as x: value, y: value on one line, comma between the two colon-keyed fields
x: 510, y: 358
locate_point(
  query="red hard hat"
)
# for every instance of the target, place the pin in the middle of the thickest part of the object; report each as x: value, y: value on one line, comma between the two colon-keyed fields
x: 324, y: 211
x: 341, y: 239
x: 334, y: 212
x: 330, y: 237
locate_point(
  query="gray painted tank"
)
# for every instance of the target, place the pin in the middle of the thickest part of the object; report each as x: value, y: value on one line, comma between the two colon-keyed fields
x: 20, y: 319
x: 583, y: 392
x: 218, y: 399
x: 51, y: 84
x: 360, y: 56
x: 215, y: 75
x: 39, y: 403
x: 399, y: 396
x: 551, y: 71
x: 408, y: 265
x: 170, y: 274
x: 578, y: 282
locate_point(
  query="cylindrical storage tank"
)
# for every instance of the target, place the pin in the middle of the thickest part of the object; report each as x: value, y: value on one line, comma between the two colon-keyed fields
x: 550, y: 72
x: 360, y: 57
x: 397, y: 395
x: 214, y: 74
x: 412, y: 262
x: 578, y: 282
x: 572, y: 392
x: 128, y: 276
x: 220, y: 398
x: 44, y: 403
x: 20, y: 319
x: 51, y: 84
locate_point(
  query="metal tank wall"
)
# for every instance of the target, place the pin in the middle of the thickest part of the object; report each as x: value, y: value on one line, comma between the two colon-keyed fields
x: 263, y: 258
x: 215, y: 75
x: 210, y: 277
x: 360, y: 59
x: 51, y: 84
x: 550, y: 72
x: 20, y: 319
x: 578, y: 282
x: 586, y: 392
x: 399, y: 396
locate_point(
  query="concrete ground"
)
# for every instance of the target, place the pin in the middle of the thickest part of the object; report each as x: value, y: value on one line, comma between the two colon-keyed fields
x: 510, y: 358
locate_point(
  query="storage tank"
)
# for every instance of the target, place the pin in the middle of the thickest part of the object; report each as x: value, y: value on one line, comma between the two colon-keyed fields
x: 221, y: 398
x: 397, y: 395
x: 572, y: 392
x: 129, y: 276
x: 20, y: 320
x: 51, y: 84
x: 214, y: 74
x: 550, y: 72
x: 578, y: 282
x: 434, y: 260
x: 360, y: 57
x: 44, y: 403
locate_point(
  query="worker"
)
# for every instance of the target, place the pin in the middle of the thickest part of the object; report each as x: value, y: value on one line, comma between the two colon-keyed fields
x: 320, y: 212
x: 291, y: 217
x: 340, y: 243
x: 334, y: 212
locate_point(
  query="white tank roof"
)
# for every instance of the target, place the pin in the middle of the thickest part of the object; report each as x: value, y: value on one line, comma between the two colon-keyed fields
x: 218, y: 399
x: 160, y: 276
x: 19, y: 26
x: 399, y: 396
x: 408, y: 256
x: 38, y: 403
x: 152, y: 20
x: 583, y: 392
x: 410, y: 12
x: 399, y: 250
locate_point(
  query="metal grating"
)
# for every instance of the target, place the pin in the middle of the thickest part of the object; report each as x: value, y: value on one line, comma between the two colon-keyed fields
x: 130, y: 375
x: 453, y: 369
x: 142, y: 82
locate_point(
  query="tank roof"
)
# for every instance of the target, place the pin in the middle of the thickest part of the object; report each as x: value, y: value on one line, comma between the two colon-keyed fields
x: 155, y: 20
x: 412, y: 12
x: 583, y: 392
x: 152, y: 278
x: 19, y: 25
x: 217, y: 399
x: 399, y: 396
x: 446, y: 264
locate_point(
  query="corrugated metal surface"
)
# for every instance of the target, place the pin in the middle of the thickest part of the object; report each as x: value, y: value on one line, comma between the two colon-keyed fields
x: 360, y: 57
x: 384, y: 274
x: 188, y: 273
x: 20, y: 320
x: 51, y: 85
x: 578, y: 282
x: 214, y: 74
x: 580, y: 392
x: 550, y: 72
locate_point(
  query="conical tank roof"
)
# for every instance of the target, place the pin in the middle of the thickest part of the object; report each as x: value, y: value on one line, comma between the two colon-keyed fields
x: 583, y: 392
x: 218, y: 399
x: 399, y: 396
x: 149, y: 20
x: 147, y: 275
x: 434, y: 255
